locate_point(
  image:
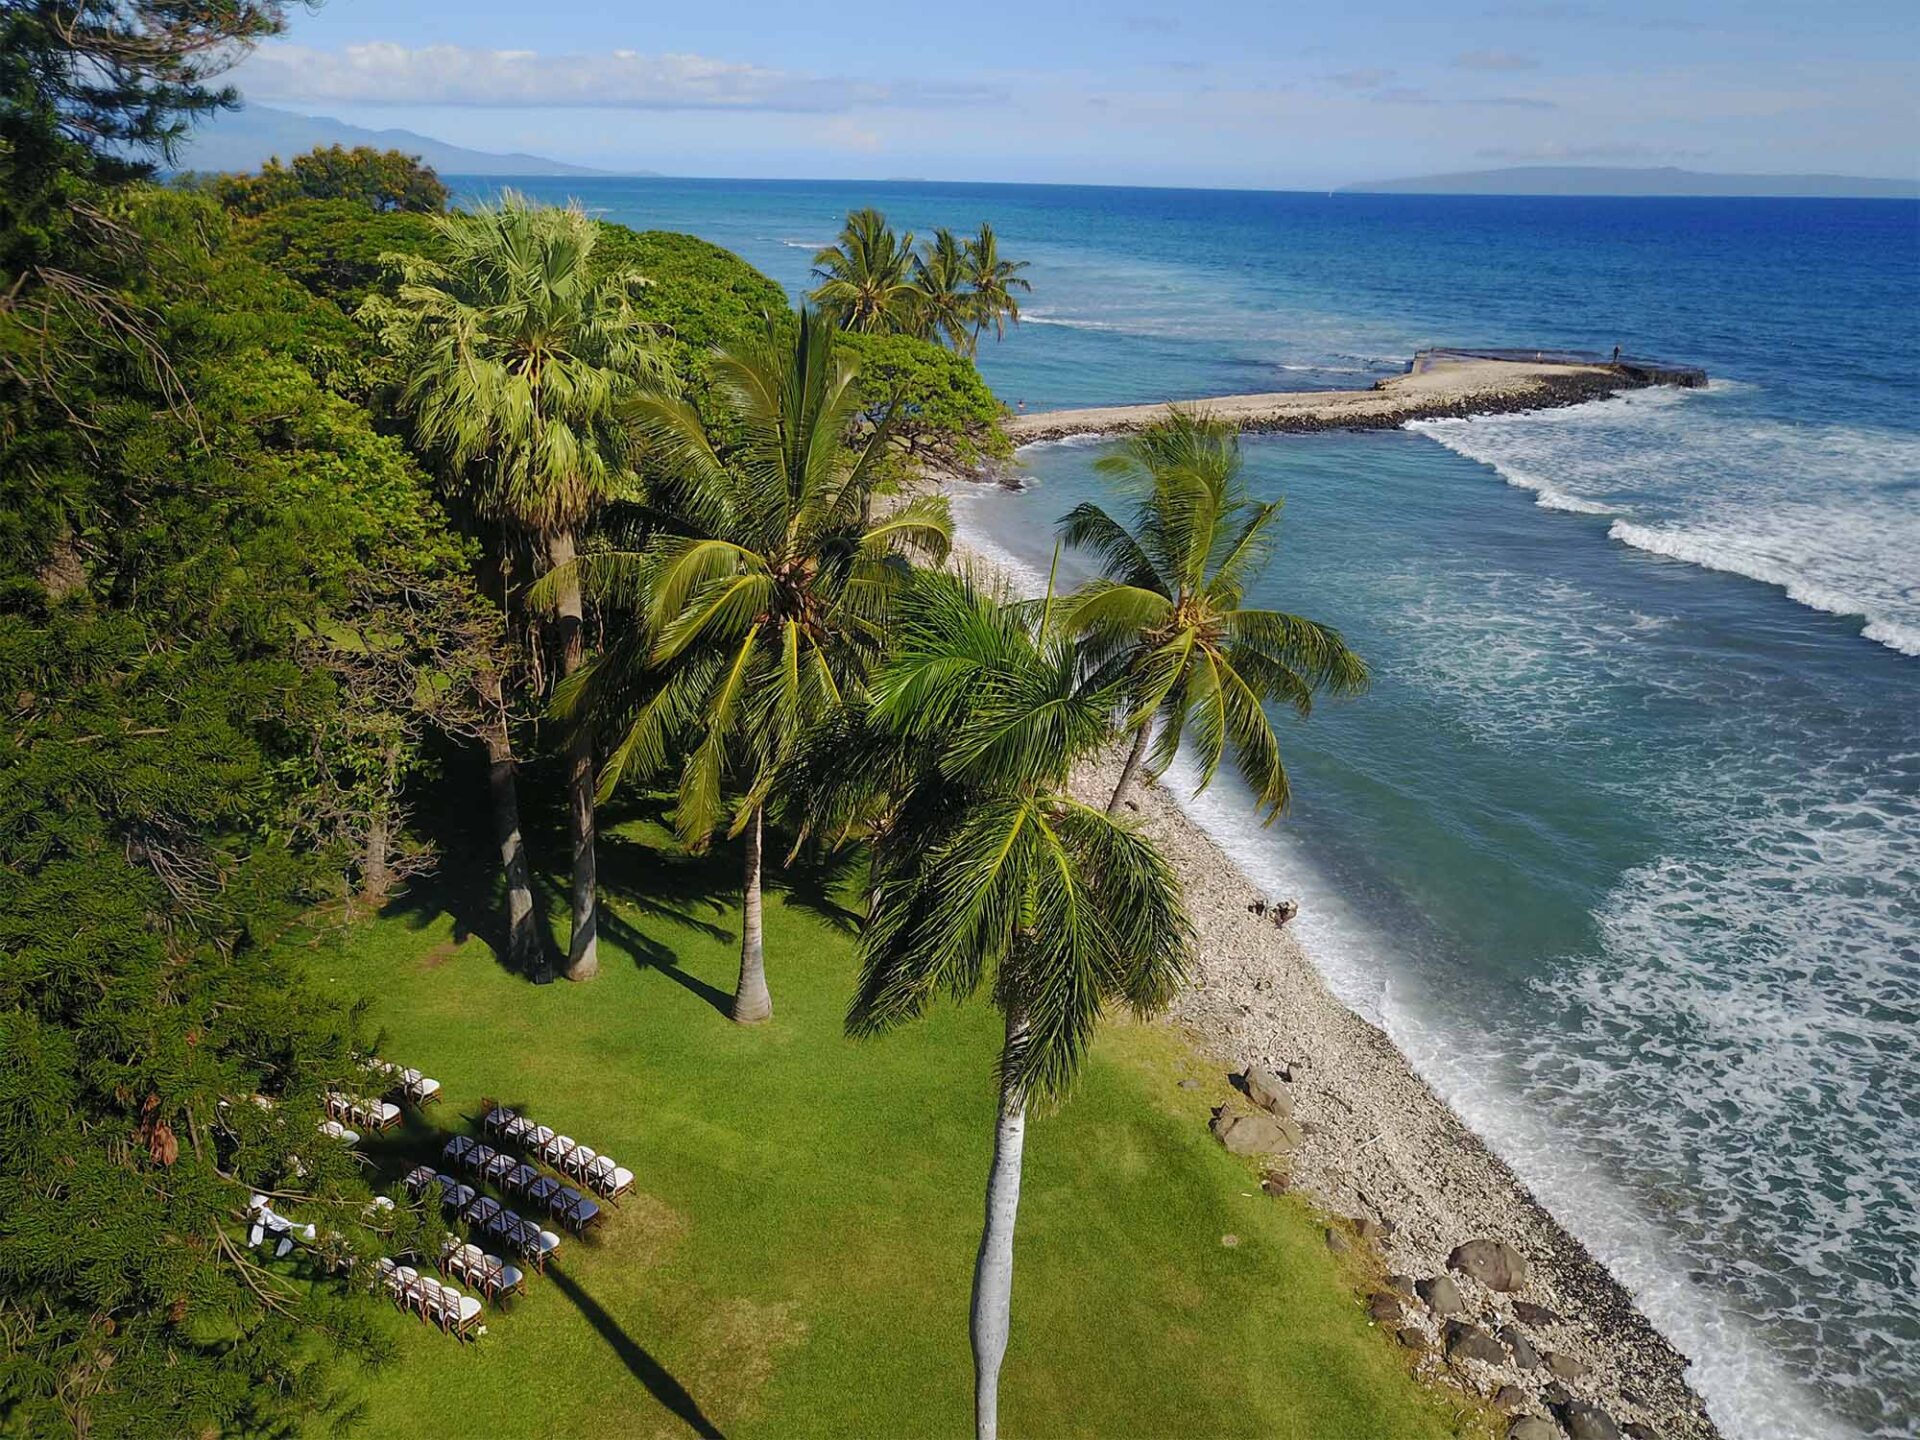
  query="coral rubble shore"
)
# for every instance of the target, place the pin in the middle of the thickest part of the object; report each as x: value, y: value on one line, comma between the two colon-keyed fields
x: 1379, y: 1146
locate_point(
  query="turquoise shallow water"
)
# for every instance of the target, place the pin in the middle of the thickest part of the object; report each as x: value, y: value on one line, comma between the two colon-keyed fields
x: 1624, y: 848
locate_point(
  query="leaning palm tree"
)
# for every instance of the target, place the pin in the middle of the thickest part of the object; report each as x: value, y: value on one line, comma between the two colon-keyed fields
x: 516, y: 355
x: 994, y: 282
x: 866, y: 278
x: 988, y: 871
x: 763, y: 607
x: 1167, y: 617
x: 949, y: 308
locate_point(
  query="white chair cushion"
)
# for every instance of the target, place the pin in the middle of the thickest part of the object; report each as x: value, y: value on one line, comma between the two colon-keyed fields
x: 622, y: 1177
x: 549, y: 1242
x: 510, y: 1277
x: 469, y: 1307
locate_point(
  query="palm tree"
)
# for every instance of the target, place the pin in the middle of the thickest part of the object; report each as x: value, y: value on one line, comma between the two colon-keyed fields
x: 994, y: 282
x: 764, y: 608
x: 866, y: 279
x: 516, y: 355
x: 949, y: 307
x: 988, y: 871
x: 1167, y: 614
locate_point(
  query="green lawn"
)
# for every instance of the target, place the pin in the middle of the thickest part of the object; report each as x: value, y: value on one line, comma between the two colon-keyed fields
x: 797, y: 1254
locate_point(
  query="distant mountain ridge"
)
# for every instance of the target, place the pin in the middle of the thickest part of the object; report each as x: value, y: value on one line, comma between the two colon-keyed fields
x: 1631, y: 180
x: 246, y: 138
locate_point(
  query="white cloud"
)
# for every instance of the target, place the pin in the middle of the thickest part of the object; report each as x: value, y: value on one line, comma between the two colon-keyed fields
x: 383, y: 73
x: 1496, y: 60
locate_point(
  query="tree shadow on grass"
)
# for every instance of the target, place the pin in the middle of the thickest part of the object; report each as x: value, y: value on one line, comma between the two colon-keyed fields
x: 648, y: 1371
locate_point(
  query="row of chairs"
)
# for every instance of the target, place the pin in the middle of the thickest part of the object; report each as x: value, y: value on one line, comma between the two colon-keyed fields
x: 409, y: 1084
x: 597, y: 1172
x: 489, y: 1274
x: 435, y: 1303
x: 378, y: 1116
x: 519, y: 1179
x: 486, y: 1216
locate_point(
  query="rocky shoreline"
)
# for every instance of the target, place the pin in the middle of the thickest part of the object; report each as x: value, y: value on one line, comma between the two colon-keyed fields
x: 1543, y: 1332
x: 1454, y: 390
x: 1555, y: 1337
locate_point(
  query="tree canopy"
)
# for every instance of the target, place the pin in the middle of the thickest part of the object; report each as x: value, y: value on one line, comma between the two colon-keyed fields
x: 379, y: 179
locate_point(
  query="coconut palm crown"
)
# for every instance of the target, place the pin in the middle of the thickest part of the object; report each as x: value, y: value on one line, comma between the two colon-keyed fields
x: 866, y: 278
x: 1167, y: 615
x: 762, y: 605
x: 994, y: 281
x: 987, y: 871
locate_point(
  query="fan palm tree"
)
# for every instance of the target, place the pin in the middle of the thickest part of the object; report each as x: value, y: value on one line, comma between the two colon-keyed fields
x: 866, y: 278
x: 988, y: 871
x: 1167, y: 615
x: 516, y: 355
x: 764, y: 607
x: 994, y: 282
x: 949, y: 308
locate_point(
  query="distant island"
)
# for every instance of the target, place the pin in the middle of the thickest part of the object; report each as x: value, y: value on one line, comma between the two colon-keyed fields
x: 243, y: 139
x: 1638, y: 180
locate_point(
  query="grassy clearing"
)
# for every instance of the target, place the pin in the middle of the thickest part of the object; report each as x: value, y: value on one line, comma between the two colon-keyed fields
x: 797, y: 1257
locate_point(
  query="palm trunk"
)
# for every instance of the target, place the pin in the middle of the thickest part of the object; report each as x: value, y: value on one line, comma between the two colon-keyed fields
x: 524, y: 952
x: 751, y: 1002
x: 1134, y: 757
x: 583, y: 944
x: 992, y: 1318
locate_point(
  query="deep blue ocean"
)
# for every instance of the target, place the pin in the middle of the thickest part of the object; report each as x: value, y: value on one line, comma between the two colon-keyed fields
x: 1623, y: 849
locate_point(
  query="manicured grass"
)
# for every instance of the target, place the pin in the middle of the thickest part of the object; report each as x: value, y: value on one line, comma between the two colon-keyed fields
x: 797, y: 1255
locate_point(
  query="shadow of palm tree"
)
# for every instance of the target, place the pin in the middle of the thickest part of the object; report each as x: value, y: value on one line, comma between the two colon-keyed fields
x: 648, y: 1371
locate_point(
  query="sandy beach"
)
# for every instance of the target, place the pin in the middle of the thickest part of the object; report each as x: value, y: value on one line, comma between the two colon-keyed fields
x: 1396, y: 1170
x: 1444, y: 388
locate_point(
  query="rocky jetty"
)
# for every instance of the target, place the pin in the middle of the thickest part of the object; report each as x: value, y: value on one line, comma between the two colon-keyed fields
x: 1448, y: 388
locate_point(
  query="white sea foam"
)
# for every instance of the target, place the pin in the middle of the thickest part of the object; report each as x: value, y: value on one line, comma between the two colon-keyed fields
x: 1829, y: 513
x: 1741, y: 1042
x: 1736, y: 1368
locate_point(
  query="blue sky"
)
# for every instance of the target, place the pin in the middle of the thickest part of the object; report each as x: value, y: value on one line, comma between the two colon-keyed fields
x: 1212, y: 92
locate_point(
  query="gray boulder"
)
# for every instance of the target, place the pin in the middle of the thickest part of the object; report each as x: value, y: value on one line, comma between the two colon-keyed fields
x: 1494, y: 1263
x: 1565, y: 1366
x: 1586, y: 1421
x: 1511, y: 1398
x: 1385, y: 1308
x: 1470, y: 1342
x: 1265, y: 1089
x: 1524, y: 1355
x: 1413, y: 1339
x: 1529, y: 1313
x: 1256, y: 1134
x: 1533, y: 1427
x: 1402, y: 1283
x: 1441, y: 1294
x: 1639, y: 1430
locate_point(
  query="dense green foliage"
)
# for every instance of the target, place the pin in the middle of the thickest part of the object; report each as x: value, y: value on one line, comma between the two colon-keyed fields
x: 383, y: 180
x: 941, y: 415
x: 229, y: 608
x: 335, y: 247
